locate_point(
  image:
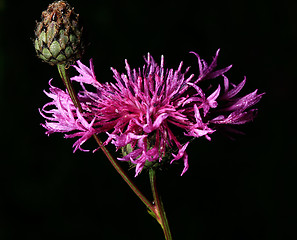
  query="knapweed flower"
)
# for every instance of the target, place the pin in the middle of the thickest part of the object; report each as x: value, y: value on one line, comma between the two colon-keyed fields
x: 150, y: 111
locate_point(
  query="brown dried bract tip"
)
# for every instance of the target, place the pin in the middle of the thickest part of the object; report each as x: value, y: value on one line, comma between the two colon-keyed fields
x: 58, y: 35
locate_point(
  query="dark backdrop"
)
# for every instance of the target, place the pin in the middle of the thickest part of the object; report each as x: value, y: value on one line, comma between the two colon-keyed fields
x: 243, y: 189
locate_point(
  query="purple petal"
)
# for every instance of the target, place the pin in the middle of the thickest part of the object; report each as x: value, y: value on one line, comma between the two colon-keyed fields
x: 186, y: 164
x: 159, y: 120
x: 218, y: 73
x: 180, y: 153
x: 211, y: 99
x: 87, y: 75
x: 235, y: 90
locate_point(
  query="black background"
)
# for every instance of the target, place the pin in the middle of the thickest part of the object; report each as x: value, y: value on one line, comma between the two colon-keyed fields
x: 243, y: 189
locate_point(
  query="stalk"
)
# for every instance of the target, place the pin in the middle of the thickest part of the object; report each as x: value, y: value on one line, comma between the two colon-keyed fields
x: 69, y: 87
x: 159, y: 205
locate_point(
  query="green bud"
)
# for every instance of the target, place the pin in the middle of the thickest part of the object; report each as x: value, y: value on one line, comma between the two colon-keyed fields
x: 166, y: 158
x: 58, y: 35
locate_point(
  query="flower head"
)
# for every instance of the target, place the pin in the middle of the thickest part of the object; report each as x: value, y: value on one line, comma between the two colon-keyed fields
x: 151, y: 109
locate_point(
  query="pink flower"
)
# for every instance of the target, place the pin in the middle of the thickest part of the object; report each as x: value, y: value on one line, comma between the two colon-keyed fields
x: 147, y: 109
x: 65, y: 118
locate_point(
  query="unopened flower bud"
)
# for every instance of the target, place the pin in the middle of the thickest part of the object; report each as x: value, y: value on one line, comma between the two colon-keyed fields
x: 58, y: 35
x: 156, y: 163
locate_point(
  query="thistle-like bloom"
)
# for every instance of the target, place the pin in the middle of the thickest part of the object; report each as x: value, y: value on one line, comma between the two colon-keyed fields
x: 151, y: 110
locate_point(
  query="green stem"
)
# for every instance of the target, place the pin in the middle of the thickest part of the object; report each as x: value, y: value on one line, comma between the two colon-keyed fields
x: 69, y: 87
x: 159, y: 206
x: 124, y: 175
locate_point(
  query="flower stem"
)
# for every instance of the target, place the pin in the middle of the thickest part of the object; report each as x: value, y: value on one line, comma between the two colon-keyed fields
x: 124, y: 175
x: 159, y: 206
x: 69, y: 87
